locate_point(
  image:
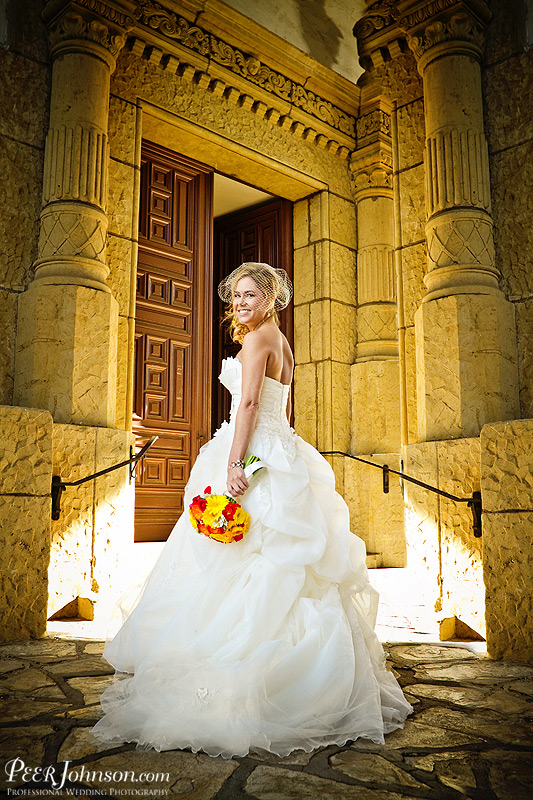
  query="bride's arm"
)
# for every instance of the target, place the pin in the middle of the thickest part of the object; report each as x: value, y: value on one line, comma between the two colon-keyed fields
x: 254, y: 355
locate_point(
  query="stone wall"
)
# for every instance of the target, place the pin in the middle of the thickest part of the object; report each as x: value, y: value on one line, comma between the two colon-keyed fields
x: 25, y: 512
x: 442, y: 552
x: 95, y: 530
x: 508, y: 95
x: 507, y: 490
x: 23, y: 63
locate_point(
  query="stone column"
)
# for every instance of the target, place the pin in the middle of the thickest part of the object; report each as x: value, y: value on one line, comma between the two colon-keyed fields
x: 67, y: 322
x: 465, y: 329
x: 375, y: 383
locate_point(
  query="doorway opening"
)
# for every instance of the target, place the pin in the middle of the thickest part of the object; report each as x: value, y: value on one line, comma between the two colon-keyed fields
x: 195, y: 226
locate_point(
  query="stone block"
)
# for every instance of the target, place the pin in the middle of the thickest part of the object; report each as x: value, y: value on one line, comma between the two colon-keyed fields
x: 121, y: 200
x: 375, y: 390
x: 25, y: 451
x: 21, y: 168
x: 302, y: 334
x: 507, y: 32
x: 125, y: 360
x: 507, y: 124
x: 122, y: 129
x: 411, y: 134
x: 319, y: 220
x: 122, y: 262
x: 442, y: 549
x: 508, y: 572
x: 524, y: 328
x: 376, y: 517
x: 343, y: 331
x: 466, y: 365
x: 8, y: 316
x: 67, y: 353
x: 422, y: 520
x: 342, y: 272
x: 300, y: 223
x: 511, y: 176
x: 26, y: 31
x: 341, y: 401
x: 413, y: 205
x: 414, y: 269
x: 342, y: 228
x: 399, y: 79
x: 72, y: 534
x: 325, y: 392
x: 114, y: 499
x: 305, y: 402
x: 320, y: 320
x: 28, y: 110
x: 410, y: 381
x: 507, y: 478
x: 25, y: 553
x: 304, y: 275
x: 323, y: 268
x: 96, y: 524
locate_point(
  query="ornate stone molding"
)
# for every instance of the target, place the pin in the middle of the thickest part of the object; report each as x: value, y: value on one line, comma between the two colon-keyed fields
x: 377, y: 121
x: 294, y: 97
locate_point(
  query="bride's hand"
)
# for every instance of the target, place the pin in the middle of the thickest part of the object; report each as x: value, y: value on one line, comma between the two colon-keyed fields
x: 237, y: 483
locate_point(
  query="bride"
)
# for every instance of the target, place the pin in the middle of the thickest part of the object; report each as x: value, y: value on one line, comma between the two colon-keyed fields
x: 263, y: 644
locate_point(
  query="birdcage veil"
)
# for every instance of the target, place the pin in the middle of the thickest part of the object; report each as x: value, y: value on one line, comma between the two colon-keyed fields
x: 273, y: 282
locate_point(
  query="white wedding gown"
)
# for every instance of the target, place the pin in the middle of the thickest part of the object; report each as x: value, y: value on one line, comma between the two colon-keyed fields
x: 262, y: 644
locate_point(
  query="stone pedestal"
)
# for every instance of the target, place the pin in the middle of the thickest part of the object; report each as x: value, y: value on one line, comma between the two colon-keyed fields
x: 25, y: 516
x: 507, y: 492
x: 466, y: 365
x: 67, y: 353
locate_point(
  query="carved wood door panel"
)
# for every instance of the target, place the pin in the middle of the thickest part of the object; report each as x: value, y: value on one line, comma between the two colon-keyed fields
x: 262, y: 233
x: 173, y: 333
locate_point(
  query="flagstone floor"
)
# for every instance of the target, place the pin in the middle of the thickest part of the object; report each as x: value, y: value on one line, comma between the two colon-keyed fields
x: 471, y: 735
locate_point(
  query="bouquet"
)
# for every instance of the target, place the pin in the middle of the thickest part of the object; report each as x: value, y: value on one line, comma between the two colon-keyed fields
x: 219, y: 516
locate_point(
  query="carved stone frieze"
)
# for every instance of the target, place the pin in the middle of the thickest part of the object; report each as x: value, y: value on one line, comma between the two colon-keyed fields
x: 376, y: 121
x: 156, y: 17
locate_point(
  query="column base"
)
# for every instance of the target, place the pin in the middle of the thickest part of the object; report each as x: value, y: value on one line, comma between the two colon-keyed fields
x: 66, y: 358
x: 466, y: 360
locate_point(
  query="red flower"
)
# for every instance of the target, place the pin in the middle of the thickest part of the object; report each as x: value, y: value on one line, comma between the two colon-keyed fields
x: 207, y: 490
x: 229, y: 511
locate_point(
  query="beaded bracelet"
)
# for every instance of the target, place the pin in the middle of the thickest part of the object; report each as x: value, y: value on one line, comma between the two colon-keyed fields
x: 238, y: 463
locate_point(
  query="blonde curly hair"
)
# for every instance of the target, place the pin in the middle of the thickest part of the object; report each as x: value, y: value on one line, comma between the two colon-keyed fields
x: 275, y: 284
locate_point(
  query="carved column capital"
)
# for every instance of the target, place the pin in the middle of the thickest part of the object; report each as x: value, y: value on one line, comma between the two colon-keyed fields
x: 436, y: 27
x: 371, y: 162
x: 95, y: 26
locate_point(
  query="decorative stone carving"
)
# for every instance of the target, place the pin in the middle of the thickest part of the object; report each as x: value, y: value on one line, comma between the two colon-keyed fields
x: 460, y: 27
x: 75, y: 164
x: 376, y: 281
x: 73, y: 26
x: 156, y: 17
x: 65, y: 232
x: 457, y: 170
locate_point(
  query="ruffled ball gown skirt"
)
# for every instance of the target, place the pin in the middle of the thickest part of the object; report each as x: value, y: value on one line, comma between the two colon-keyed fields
x: 262, y: 644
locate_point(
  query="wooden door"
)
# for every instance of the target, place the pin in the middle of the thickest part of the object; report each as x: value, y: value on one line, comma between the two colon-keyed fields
x: 173, y: 333
x: 262, y: 233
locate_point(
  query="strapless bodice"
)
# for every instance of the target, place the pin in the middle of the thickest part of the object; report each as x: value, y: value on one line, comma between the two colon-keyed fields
x: 274, y: 395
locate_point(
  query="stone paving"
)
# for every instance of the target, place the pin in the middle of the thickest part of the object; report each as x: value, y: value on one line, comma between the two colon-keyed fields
x: 470, y: 736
